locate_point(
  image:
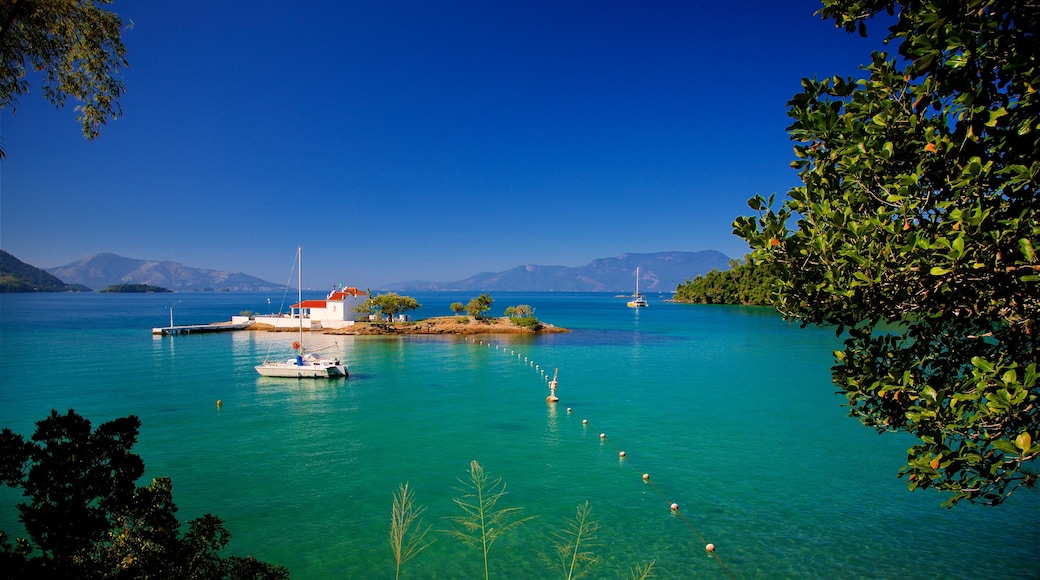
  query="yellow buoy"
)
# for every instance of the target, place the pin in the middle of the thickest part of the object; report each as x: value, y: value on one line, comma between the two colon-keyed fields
x: 220, y: 403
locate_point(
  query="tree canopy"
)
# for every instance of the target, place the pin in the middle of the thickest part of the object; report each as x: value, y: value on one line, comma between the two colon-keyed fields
x: 390, y: 304
x: 746, y: 283
x: 75, y: 45
x: 914, y: 233
x: 86, y: 518
x: 479, y: 305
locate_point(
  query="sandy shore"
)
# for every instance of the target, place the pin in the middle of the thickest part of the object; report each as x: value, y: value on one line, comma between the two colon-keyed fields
x: 435, y: 325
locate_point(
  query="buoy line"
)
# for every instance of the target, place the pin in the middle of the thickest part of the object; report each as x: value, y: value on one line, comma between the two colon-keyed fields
x: 709, y: 547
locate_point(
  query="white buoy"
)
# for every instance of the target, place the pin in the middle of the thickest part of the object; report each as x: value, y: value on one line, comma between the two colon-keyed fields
x: 646, y: 477
x: 709, y: 548
x: 675, y: 507
x: 622, y: 454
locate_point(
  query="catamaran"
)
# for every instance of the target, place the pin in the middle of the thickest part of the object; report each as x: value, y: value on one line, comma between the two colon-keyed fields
x: 637, y: 300
x: 305, y: 365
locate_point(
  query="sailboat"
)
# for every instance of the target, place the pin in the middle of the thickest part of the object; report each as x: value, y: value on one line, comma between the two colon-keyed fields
x: 637, y: 300
x: 305, y: 365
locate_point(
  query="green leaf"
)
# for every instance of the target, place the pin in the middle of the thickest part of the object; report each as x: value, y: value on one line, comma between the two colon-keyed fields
x: 1028, y: 252
x: 939, y: 271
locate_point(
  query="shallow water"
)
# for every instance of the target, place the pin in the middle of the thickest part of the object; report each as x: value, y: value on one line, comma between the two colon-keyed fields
x: 729, y: 410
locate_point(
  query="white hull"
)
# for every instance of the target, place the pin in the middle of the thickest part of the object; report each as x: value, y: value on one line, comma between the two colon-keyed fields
x: 637, y: 300
x: 302, y: 366
x: 311, y: 368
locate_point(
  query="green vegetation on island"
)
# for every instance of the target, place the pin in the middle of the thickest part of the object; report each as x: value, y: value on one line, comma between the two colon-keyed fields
x: 133, y: 289
x: 914, y: 234
x: 745, y: 283
x: 516, y: 319
x: 85, y: 517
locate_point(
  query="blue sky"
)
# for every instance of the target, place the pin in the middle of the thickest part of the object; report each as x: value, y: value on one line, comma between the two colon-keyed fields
x: 420, y: 140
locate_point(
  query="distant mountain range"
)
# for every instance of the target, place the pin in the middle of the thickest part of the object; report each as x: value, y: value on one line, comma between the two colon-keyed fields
x: 102, y: 270
x: 658, y: 272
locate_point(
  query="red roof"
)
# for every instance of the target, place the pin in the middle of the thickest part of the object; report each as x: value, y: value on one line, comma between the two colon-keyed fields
x: 344, y: 293
x: 311, y: 304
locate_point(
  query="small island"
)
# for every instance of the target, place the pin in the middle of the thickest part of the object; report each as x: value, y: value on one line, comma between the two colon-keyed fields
x: 469, y: 318
x: 133, y: 289
x: 448, y: 325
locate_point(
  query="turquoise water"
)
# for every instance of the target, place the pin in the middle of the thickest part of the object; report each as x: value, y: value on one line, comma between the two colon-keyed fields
x: 729, y: 410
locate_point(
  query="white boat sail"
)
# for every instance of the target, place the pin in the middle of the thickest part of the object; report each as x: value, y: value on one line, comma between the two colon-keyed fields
x: 305, y: 365
x: 637, y: 300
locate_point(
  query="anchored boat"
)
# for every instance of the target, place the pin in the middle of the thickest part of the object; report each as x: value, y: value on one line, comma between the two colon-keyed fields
x: 637, y: 300
x: 305, y: 365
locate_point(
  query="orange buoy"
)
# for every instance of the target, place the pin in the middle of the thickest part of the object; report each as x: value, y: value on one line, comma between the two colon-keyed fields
x: 296, y: 345
x: 646, y: 477
x: 709, y: 548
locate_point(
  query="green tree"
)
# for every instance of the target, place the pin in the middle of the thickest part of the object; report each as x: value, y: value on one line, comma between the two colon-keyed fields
x: 479, y: 305
x: 746, y: 282
x: 87, y: 519
x: 457, y: 308
x: 391, y: 304
x: 914, y: 232
x: 75, y: 45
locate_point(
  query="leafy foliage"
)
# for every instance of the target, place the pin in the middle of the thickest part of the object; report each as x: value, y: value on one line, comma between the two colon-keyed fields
x: 389, y: 304
x: 746, y: 282
x: 523, y: 315
x: 87, y: 519
x: 482, y: 521
x: 478, y: 306
x: 77, y: 47
x: 916, y: 228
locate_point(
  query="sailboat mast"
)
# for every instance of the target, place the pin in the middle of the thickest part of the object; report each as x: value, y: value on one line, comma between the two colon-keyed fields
x: 637, y: 280
x: 299, y: 290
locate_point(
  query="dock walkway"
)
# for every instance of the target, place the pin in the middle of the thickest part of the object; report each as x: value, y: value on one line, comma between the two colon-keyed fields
x: 198, y: 328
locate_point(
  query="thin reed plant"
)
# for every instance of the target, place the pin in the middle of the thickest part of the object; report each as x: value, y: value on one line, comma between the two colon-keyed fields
x: 482, y: 522
x: 574, y: 544
x: 407, y: 534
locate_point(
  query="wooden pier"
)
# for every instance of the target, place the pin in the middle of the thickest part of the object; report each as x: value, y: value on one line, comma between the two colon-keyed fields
x: 198, y: 328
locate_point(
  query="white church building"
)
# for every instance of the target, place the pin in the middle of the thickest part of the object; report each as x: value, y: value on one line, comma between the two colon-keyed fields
x: 337, y: 310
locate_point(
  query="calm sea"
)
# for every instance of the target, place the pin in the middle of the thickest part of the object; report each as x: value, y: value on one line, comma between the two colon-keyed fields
x: 729, y: 410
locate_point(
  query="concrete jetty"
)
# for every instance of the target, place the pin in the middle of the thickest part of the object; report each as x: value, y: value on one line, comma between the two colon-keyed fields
x: 199, y: 328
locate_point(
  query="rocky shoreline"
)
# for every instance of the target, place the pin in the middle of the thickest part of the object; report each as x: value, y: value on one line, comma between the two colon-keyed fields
x: 435, y: 325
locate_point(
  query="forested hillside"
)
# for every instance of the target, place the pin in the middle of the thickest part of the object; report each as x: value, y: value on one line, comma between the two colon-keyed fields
x: 17, y: 276
x: 744, y: 283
